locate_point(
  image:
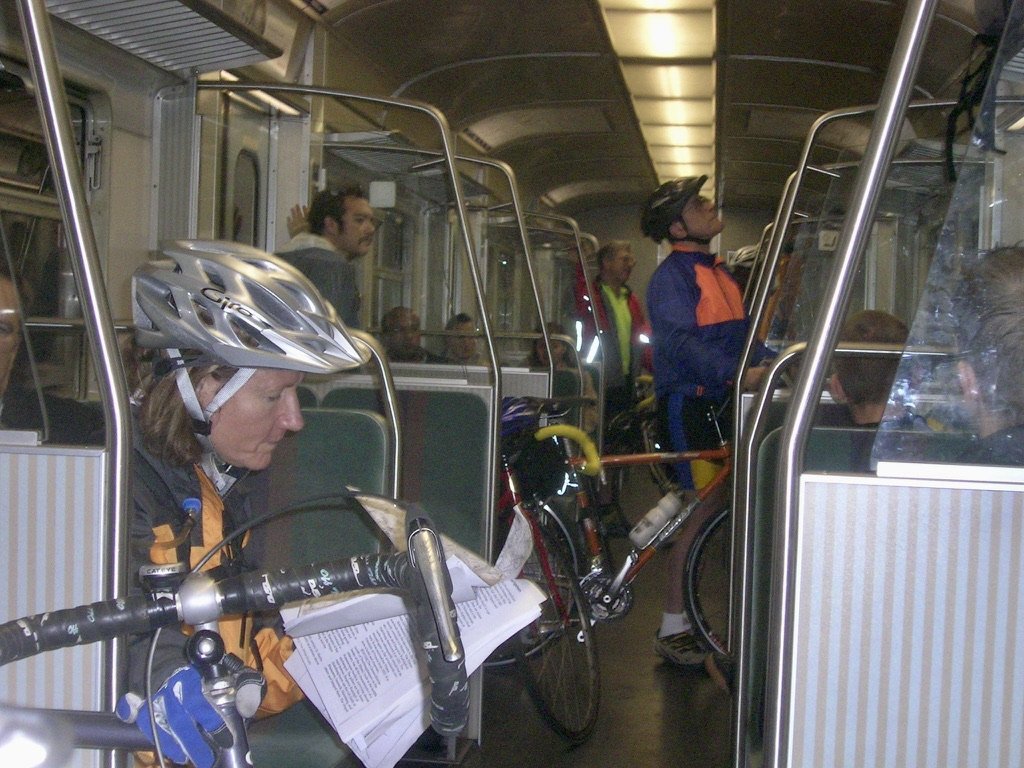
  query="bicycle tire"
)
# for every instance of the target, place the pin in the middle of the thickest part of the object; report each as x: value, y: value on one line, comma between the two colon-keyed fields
x: 557, y: 654
x: 706, y: 582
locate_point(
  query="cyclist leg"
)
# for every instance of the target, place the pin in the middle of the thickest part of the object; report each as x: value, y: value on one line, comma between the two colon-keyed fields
x: 675, y: 640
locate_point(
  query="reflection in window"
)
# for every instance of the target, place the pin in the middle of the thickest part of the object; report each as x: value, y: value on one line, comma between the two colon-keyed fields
x: 245, y: 210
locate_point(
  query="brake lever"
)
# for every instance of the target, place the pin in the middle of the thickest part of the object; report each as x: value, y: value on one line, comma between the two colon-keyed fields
x: 427, y: 559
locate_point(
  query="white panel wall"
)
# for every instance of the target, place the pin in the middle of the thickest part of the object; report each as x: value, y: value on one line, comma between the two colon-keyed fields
x: 909, y: 647
x: 52, y: 555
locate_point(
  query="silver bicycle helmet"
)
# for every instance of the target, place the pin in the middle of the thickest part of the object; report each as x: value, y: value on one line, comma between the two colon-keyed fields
x: 665, y: 205
x: 238, y: 306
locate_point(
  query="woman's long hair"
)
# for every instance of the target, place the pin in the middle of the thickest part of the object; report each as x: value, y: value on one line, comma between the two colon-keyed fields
x: 167, y: 430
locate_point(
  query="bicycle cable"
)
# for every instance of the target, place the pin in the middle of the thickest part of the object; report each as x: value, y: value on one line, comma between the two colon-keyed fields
x: 307, y: 505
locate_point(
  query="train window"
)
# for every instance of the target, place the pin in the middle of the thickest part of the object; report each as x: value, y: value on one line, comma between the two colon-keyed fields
x: 24, y: 162
x: 43, y: 355
x: 391, y: 260
x: 958, y: 398
x: 902, y: 238
x: 50, y: 369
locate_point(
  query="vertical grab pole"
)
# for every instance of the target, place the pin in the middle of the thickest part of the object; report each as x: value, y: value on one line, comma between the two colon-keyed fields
x: 113, y: 388
x: 853, y: 238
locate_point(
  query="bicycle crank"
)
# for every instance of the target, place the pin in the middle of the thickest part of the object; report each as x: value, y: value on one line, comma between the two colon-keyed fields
x: 603, y: 605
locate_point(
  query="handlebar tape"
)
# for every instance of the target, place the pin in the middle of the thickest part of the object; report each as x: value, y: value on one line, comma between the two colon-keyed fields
x: 438, y: 630
x: 593, y: 465
x: 272, y: 589
x: 105, y: 620
x: 26, y: 637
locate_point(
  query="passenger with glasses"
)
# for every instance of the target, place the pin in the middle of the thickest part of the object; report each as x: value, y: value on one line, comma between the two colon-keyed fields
x: 60, y: 420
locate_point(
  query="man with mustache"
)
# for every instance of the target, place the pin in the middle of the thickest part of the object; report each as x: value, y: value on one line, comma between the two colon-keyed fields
x: 341, y: 228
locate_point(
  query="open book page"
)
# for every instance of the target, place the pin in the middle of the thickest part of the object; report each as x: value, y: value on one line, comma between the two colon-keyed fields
x: 370, y: 683
x: 468, y: 573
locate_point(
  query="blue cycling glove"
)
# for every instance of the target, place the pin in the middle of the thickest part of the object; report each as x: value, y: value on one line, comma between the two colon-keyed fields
x: 184, y: 718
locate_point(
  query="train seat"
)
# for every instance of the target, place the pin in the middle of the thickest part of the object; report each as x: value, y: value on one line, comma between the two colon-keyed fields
x: 337, y: 447
x: 445, y: 454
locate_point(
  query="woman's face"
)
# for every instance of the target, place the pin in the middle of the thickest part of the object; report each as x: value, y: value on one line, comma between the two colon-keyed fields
x: 248, y: 427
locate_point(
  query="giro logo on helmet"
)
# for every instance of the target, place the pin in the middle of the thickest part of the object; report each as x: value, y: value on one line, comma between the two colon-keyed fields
x: 225, y: 301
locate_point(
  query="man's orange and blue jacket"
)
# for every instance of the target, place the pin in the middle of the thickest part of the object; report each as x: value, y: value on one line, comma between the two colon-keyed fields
x: 699, y: 325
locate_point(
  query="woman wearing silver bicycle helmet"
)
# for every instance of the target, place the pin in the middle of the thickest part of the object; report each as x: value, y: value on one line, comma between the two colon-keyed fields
x: 236, y: 329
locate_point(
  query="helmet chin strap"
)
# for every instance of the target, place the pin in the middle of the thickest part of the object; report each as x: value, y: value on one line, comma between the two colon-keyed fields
x: 222, y: 474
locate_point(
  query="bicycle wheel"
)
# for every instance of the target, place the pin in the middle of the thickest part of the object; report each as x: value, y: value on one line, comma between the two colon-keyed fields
x: 557, y: 654
x: 707, y: 579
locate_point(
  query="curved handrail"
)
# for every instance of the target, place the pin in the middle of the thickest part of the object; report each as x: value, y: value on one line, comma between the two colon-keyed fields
x: 852, y: 240
x: 390, y: 403
x: 49, y: 88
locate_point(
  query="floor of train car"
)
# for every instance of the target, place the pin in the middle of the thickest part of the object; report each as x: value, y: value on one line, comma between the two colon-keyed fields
x: 652, y: 714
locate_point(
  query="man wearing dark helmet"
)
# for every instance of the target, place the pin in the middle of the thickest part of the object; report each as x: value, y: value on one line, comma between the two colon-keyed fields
x: 699, y: 327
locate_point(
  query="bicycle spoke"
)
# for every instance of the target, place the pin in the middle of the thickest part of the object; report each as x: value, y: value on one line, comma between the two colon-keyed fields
x: 558, y: 659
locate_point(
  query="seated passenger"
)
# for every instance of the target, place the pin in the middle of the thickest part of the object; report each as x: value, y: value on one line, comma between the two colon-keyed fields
x: 862, y: 382
x: 991, y: 339
x: 66, y: 421
x: 210, y: 414
x: 460, y: 348
x: 401, y: 336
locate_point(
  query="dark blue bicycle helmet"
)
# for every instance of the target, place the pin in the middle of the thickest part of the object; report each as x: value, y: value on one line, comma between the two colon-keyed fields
x: 665, y: 205
x: 517, y: 415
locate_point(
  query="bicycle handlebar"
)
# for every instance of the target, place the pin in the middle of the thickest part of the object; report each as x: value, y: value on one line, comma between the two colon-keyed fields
x: 200, y: 599
x: 593, y: 463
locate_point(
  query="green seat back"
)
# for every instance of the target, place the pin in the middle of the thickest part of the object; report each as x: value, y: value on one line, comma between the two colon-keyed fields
x: 445, y: 460
x: 307, y: 397
x: 353, y: 397
x: 336, y: 448
x: 445, y: 457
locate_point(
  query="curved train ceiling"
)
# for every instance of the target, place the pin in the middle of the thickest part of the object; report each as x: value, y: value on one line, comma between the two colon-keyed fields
x: 538, y: 83
x: 565, y: 91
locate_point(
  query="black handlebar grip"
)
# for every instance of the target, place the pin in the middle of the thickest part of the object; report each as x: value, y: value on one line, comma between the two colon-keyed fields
x: 104, y: 620
x: 272, y: 589
x: 436, y: 625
